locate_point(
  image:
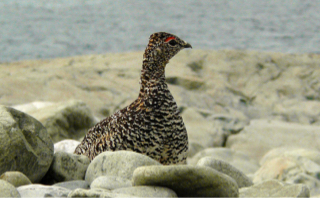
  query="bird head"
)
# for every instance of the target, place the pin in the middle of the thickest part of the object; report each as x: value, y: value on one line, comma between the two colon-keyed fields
x: 163, y: 46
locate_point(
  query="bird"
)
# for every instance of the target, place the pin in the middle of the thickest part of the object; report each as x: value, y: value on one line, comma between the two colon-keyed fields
x: 151, y: 124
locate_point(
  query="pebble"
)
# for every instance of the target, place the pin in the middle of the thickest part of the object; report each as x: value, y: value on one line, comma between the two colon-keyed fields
x: 226, y: 168
x: 72, y: 185
x: 39, y: 190
x: 237, y: 159
x: 275, y: 188
x: 146, y: 191
x: 187, y: 180
x: 67, y: 167
x: 96, y: 193
x: 8, y: 190
x: 15, y: 178
x: 110, y: 182
x: 67, y: 146
x: 119, y: 163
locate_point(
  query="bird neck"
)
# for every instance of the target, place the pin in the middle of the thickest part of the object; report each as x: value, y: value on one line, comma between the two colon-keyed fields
x: 152, y: 74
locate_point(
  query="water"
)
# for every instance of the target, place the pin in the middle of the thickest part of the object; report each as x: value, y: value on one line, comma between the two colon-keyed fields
x: 33, y: 29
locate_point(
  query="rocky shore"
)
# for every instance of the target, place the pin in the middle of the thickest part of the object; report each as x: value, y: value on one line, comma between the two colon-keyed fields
x: 253, y: 120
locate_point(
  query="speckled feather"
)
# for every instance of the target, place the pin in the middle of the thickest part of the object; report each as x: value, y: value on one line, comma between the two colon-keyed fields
x: 151, y: 125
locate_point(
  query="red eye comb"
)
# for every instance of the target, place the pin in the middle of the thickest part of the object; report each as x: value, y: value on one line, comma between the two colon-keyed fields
x: 169, y: 39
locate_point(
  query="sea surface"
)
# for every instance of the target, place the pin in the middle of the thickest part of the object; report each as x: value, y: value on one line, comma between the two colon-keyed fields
x: 36, y: 29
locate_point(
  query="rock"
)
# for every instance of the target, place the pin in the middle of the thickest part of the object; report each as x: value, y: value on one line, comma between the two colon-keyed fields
x: 25, y: 145
x: 72, y: 185
x: 291, y: 167
x: 291, y: 152
x: 237, y: 159
x: 224, y: 167
x: 146, y: 191
x: 200, y: 130
x: 65, y: 120
x: 96, y: 193
x: 37, y: 190
x: 110, y: 182
x: 187, y: 181
x: 67, y: 146
x: 255, y: 139
x: 72, y: 119
x: 118, y: 163
x: 67, y: 167
x: 15, y: 178
x: 189, y: 83
x: 33, y: 106
x: 194, y: 148
x: 274, y: 188
x: 295, y: 110
x: 8, y: 190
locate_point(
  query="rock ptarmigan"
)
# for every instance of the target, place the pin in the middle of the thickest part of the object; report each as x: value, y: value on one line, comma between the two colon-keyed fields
x: 151, y: 125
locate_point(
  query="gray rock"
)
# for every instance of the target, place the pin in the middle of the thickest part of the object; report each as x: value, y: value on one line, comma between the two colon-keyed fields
x: 25, y: 145
x: 255, y: 139
x: 96, y: 193
x: 38, y: 190
x: 72, y: 185
x: 110, y: 182
x: 67, y: 167
x: 15, y: 178
x: 291, y: 151
x: 8, y: 190
x: 186, y: 180
x: 65, y: 120
x: 202, y: 131
x: 147, y: 191
x: 237, y: 159
x: 119, y: 163
x: 274, y: 188
x: 291, y: 167
x: 224, y: 167
x: 67, y: 146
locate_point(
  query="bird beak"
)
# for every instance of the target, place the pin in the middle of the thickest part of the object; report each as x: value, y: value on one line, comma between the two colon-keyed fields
x: 187, y: 45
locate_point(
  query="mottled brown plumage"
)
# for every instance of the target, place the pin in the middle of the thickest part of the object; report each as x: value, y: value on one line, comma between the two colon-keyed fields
x: 151, y: 125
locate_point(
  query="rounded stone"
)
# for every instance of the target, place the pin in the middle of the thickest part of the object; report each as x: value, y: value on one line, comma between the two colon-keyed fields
x: 67, y: 167
x: 187, y: 181
x: 146, y: 191
x: 38, y: 190
x: 226, y: 168
x: 275, y: 188
x: 25, y: 145
x: 118, y: 163
x: 72, y: 185
x: 15, y: 178
x: 8, y: 190
x: 110, y: 182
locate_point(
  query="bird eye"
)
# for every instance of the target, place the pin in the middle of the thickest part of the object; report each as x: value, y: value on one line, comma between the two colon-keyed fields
x: 173, y: 42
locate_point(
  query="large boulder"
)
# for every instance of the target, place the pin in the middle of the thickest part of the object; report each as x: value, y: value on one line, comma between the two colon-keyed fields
x: 25, y: 145
x: 187, y: 180
x: 118, y: 163
x: 63, y: 120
